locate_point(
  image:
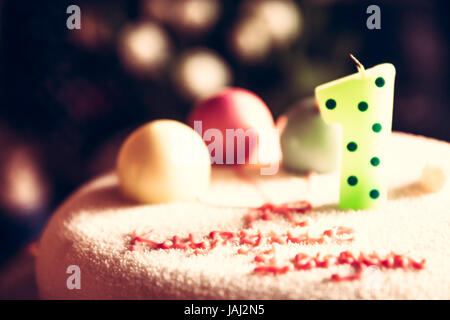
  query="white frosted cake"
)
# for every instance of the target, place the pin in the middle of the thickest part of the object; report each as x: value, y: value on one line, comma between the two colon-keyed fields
x: 227, y: 245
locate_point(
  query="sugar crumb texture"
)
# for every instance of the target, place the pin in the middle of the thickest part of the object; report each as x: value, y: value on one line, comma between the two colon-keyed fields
x: 95, y: 227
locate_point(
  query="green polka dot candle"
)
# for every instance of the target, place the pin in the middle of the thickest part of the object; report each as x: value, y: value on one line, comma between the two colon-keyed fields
x: 362, y: 103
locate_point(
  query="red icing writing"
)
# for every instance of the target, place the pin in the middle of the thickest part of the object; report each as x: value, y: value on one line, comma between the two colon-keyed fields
x: 243, y: 238
x: 250, y: 240
x: 266, y: 211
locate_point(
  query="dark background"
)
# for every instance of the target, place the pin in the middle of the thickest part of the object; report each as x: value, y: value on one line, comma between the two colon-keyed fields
x: 66, y: 101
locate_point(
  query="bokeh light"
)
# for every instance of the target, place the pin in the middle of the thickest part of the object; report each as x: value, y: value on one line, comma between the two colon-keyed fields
x: 250, y: 40
x: 264, y: 25
x: 95, y: 31
x: 195, y: 16
x: 188, y: 17
x: 156, y: 9
x: 144, y: 48
x: 282, y: 18
x: 201, y: 72
x: 24, y: 188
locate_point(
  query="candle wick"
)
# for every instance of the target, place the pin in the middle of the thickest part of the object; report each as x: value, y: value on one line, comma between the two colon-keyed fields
x: 359, y: 65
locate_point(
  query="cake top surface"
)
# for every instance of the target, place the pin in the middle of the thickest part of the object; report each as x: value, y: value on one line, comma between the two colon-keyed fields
x: 126, y: 250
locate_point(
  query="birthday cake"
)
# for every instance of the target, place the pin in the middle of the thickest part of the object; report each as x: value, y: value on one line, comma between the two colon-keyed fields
x: 251, y: 236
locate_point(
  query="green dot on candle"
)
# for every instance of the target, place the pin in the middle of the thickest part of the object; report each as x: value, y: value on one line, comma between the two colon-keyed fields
x: 330, y: 104
x: 352, y: 180
x: 375, y: 161
x: 376, y: 127
x: 352, y: 146
x: 374, y: 194
x: 363, y: 106
x: 379, y: 82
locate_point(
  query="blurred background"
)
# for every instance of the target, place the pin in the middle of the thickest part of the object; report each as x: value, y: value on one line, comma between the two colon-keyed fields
x: 69, y: 97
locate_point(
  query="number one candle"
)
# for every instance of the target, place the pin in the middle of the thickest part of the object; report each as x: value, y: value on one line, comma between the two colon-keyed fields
x: 362, y: 103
